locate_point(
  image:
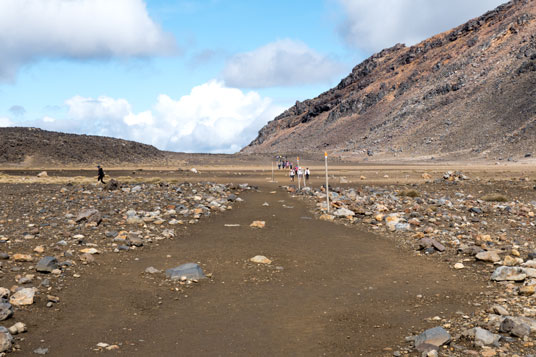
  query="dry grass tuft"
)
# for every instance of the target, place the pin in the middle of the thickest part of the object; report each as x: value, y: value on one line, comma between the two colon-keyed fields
x: 495, y: 197
x: 410, y: 193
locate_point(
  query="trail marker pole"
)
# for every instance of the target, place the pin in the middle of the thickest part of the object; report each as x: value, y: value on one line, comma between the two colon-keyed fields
x: 298, y: 167
x: 327, y: 184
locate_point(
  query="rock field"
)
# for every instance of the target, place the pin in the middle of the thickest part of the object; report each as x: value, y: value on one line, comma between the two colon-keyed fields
x: 484, y: 227
x: 52, y: 233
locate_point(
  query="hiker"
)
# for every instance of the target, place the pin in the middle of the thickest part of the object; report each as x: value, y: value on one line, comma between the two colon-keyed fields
x: 307, y: 174
x: 300, y: 174
x: 291, y: 175
x: 100, y: 174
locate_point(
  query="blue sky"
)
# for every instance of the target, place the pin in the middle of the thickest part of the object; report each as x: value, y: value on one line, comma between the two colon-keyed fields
x: 192, y: 75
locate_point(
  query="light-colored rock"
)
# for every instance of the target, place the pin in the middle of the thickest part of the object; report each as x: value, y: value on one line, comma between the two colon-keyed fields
x: 17, y: 328
x: 152, y: 270
x: 459, y: 266
x: 527, y: 290
x: 261, y: 259
x: 258, y: 224
x: 509, y: 261
x: 89, y: 251
x: 23, y: 297
x: 42, y: 174
x: 343, y: 212
x: 22, y: 257
x: 504, y: 273
x: 500, y: 310
x: 488, y: 256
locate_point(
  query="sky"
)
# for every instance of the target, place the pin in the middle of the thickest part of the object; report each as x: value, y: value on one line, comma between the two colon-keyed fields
x: 193, y: 75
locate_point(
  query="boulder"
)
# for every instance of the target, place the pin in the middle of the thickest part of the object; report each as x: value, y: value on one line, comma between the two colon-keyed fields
x: 6, y: 311
x: 6, y: 340
x: 188, y: 270
x: 23, y: 297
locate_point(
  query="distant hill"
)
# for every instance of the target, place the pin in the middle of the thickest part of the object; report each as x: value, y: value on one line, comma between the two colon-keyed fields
x: 38, y: 147
x: 467, y: 93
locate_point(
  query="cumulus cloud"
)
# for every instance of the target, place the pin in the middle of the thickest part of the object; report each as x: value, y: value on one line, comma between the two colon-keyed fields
x: 372, y: 26
x: 4, y: 122
x: 281, y: 63
x: 212, y: 118
x: 79, y: 29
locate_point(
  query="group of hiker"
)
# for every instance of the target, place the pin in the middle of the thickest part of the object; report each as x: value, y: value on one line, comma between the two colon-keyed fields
x: 294, y: 170
x: 298, y: 171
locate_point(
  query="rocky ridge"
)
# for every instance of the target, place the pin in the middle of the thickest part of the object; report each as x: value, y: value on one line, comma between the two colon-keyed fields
x: 465, y: 93
x: 38, y: 147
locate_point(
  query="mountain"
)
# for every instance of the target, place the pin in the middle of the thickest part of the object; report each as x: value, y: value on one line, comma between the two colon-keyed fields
x: 35, y: 146
x: 466, y: 93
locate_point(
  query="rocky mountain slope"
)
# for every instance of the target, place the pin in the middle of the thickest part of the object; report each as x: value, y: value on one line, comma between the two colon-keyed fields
x: 38, y: 147
x: 467, y: 93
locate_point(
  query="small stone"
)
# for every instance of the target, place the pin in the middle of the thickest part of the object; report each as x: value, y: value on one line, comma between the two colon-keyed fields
x: 53, y: 299
x: 431, y: 339
x: 459, y: 266
x: 22, y: 258
x: 485, y: 338
x: 189, y: 270
x: 260, y: 259
x: 42, y: 174
x: 527, y: 290
x: 509, y: 261
x: 152, y: 270
x: 258, y: 224
x: 488, y: 256
x: 89, y: 251
x: 500, y: 310
x: 46, y: 265
x: 17, y: 328
x: 343, y: 212
x: 41, y: 351
x: 39, y: 249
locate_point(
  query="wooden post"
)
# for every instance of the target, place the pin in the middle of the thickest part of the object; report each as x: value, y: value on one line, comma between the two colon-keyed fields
x: 298, y: 169
x: 327, y: 184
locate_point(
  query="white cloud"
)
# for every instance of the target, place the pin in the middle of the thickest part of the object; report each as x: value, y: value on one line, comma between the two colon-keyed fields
x: 372, y: 26
x: 281, y: 63
x: 4, y: 122
x: 79, y: 29
x: 212, y: 118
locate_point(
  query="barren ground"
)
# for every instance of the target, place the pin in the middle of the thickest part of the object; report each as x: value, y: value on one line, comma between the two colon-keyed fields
x: 330, y: 290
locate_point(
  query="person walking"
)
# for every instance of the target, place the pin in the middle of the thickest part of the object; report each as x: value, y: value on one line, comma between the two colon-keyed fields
x: 291, y: 175
x: 100, y: 174
x: 307, y: 174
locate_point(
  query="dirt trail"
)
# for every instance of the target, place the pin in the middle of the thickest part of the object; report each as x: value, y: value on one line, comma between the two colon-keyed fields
x: 339, y: 291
